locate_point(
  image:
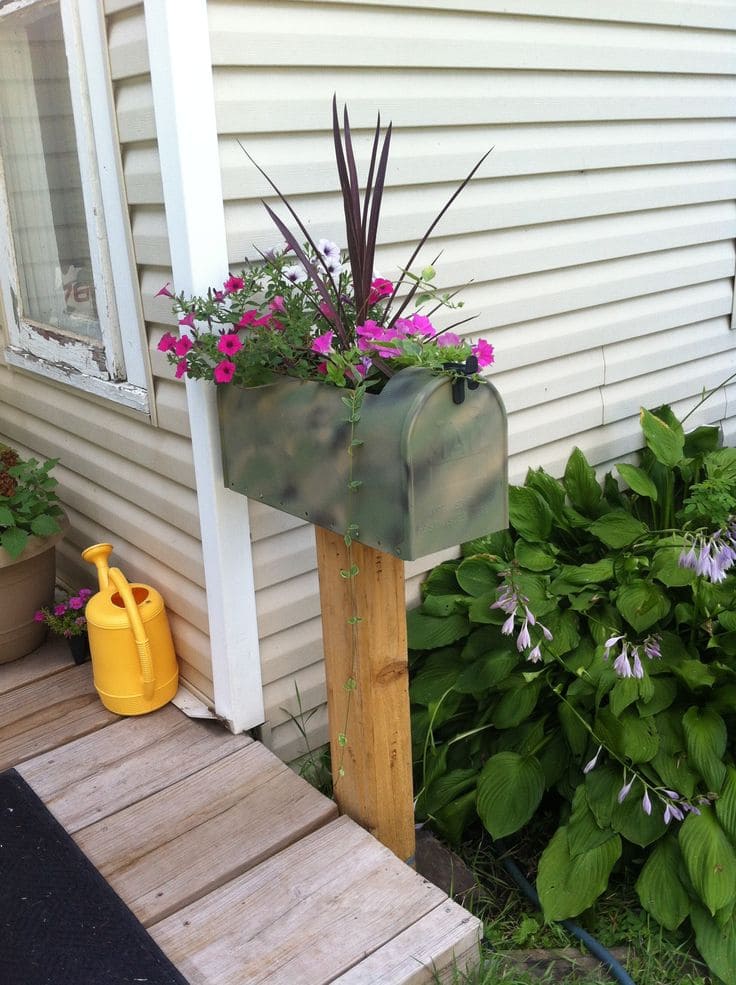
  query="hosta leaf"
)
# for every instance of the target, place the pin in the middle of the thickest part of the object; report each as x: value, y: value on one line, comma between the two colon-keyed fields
x: 583, y: 831
x: 549, y: 488
x: 630, y: 819
x: 581, y: 575
x: 709, y: 859
x: 480, y: 642
x: 575, y: 732
x: 448, y: 787
x: 516, y: 705
x: 564, y: 628
x: 640, y: 738
x: 529, y: 514
x: 443, y: 605
x: 510, y: 788
x: 659, y: 888
x: 695, y: 674
x: 438, y: 674
x: 666, y: 568
x: 642, y: 604
x: 480, y: 610
x: 486, y: 672
x: 427, y: 632
x: 601, y: 791
x: 441, y: 580
x: 705, y: 736
x: 664, y: 692
x: 477, y: 576
x: 499, y: 544
x: 637, y: 480
x: 624, y: 693
x: 580, y: 483
x: 717, y: 944
x: 532, y: 557
x: 665, y: 442
x: 567, y: 885
x: 617, y: 529
x: 726, y: 804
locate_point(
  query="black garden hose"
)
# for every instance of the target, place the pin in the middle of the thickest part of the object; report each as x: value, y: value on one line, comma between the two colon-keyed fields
x: 595, y: 947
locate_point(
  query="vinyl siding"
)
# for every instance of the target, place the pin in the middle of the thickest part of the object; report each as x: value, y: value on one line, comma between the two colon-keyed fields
x: 599, y: 234
x: 122, y: 479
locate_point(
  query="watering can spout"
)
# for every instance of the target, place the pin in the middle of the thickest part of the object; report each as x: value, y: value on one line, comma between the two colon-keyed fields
x: 98, y: 555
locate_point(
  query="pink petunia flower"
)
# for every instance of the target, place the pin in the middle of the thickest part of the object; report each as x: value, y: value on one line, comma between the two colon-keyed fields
x: 75, y: 602
x: 448, y: 338
x: 188, y: 320
x: 323, y: 343
x: 229, y: 344
x: 277, y: 304
x: 167, y: 342
x: 38, y: 616
x: 248, y: 319
x: 181, y: 369
x: 483, y: 351
x: 422, y: 324
x: 183, y: 345
x: 164, y: 292
x: 224, y: 371
x: 233, y: 284
x: 380, y: 288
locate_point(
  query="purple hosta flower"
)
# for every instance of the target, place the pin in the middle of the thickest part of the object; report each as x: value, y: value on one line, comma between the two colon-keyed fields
x: 535, y: 655
x: 609, y: 645
x: 507, y: 599
x: 295, y: 274
x: 625, y: 789
x: 591, y: 764
x: 711, y: 557
x: 510, y: 601
x: 621, y: 664
x: 646, y: 803
x: 672, y: 811
x: 652, y: 646
x: 508, y: 627
x: 524, y: 640
x: 638, y: 670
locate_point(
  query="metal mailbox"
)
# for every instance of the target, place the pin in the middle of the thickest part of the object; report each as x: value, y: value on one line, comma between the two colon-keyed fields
x: 432, y: 473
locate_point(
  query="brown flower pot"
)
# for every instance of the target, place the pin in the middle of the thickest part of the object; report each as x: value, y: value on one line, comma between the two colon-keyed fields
x: 26, y: 584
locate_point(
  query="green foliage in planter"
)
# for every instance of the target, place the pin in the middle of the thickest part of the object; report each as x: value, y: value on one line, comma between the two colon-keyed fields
x: 585, y: 659
x: 29, y: 505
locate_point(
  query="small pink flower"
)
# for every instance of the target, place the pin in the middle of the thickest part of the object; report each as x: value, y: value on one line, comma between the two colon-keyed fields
x: 277, y: 304
x: 233, y: 284
x: 323, y: 343
x: 164, y: 292
x: 322, y: 368
x: 484, y: 353
x: 39, y: 616
x: 422, y: 324
x: 248, y: 318
x: 229, y: 344
x: 218, y: 295
x: 188, y: 320
x: 183, y: 345
x: 75, y: 602
x: 167, y: 342
x: 85, y: 593
x: 380, y: 288
x: 60, y: 610
x: 181, y: 369
x: 80, y: 621
x: 224, y: 371
x: 448, y: 338
x: 275, y: 325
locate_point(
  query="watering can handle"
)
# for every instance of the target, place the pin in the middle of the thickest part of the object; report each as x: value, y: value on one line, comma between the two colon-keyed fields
x: 139, y: 634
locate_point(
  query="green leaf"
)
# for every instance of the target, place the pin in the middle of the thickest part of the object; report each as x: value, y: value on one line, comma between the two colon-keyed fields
x: 498, y: 544
x: 583, y: 831
x: 444, y: 605
x: 702, y: 440
x: 717, y: 943
x: 532, y: 557
x: 452, y: 819
x: 618, y: 529
x: 642, y: 604
x: 664, y: 692
x: 726, y: 804
x: 695, y: 674
x: 529, y: 514
x: 427, y: 632
x: 709, y: 858
x: 633, y: 823
x: 564, y: 628
x: 6, y: 517
x: 516, y: 705
x: 637, y: 480
x: 486, y: 672
x: 441, y: 580
x: 659, y: 888
x: 481, y: 642
x: 666, y: 444
x: 448, y: 787
x: 581, y: 484
x: 665, y: 567
x: 576, y: 734
x: 624, y: 693
x: 14, y: 541
x: 438, y: 675
x: 477, y: 576
x: 705, y: 736
x: 601, y: 791
x: 480, y: 610
x: 567, y: 885
x: 640, y: 738
x: 510, y: 789
x: 551, y: 491
x: 582, y: 575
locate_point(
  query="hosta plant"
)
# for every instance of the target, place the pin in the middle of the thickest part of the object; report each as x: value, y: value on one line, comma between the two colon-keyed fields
x: 584, y: 661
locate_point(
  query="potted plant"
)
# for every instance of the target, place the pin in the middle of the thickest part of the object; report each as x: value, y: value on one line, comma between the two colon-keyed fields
x: 66, y: 618
x: 31, y: 524
x: 331, y: 358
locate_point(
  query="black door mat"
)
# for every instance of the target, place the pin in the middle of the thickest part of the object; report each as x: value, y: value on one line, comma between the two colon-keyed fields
x: 60, y: 921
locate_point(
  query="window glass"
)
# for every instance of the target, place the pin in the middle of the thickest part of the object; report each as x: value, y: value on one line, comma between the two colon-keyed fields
x: 42, y: 175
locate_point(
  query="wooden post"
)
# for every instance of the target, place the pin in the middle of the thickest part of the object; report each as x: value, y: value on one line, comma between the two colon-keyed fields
x: 376, y: 786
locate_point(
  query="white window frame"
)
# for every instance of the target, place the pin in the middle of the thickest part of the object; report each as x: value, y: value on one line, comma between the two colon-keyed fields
x: 117, y: 368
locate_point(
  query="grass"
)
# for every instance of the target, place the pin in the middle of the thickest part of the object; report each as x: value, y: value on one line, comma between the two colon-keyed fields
x: 656, y: 957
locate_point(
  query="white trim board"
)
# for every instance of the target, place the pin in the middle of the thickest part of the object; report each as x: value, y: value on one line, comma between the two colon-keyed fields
x: 184, y: 108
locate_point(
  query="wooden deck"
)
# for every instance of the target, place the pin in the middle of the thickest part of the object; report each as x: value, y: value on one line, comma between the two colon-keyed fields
x: 241, y: 871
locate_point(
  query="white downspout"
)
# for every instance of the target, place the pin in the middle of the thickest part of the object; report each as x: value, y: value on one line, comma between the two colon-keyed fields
x: 184, y: 105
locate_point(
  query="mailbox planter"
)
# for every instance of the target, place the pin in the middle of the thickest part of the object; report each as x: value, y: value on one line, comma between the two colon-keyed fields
x: 433, y: 473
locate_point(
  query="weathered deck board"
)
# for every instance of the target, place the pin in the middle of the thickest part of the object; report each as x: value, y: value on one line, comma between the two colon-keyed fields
x: 52, y: 658
x: 306, y: 915
x: 96, y: 776
x: 45, y: 714
x: 181, y: 843
x: 430, y: 952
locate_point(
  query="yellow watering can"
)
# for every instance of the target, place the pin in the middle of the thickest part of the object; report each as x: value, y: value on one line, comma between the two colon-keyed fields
x: 133, y: 659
